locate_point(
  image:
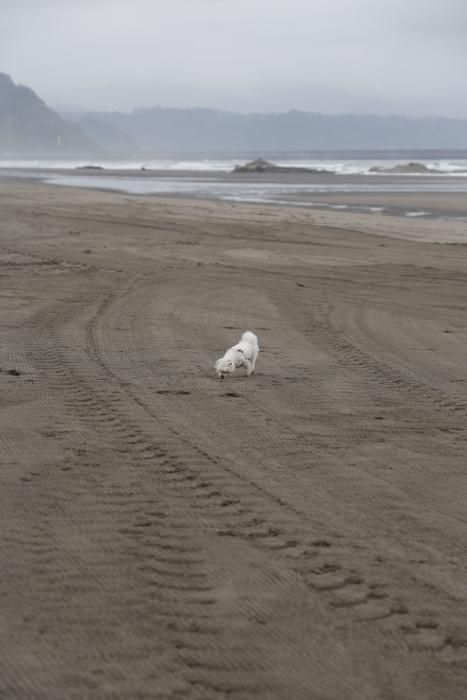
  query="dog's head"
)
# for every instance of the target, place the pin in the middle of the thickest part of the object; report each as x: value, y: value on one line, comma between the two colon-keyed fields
x: 225, y: 366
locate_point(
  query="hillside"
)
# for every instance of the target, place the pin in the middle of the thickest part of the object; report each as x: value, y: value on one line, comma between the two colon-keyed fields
x: 209, y: 129
x: 103, y: 132
x: 29, y: 128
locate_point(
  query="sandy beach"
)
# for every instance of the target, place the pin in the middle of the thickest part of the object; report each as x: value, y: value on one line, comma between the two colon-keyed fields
x: 300, y: 534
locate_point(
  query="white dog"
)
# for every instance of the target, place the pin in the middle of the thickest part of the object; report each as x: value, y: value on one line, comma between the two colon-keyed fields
x: 243, y: 354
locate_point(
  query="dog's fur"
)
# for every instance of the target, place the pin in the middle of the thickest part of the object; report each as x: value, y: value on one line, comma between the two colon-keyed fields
x: 243, y: 354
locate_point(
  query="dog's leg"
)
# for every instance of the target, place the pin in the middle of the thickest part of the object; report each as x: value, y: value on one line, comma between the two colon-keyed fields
x: 249, y: 367
x: 253, y: 362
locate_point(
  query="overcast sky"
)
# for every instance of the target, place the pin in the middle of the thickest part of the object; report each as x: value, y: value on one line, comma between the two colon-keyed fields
x: 398, y: 56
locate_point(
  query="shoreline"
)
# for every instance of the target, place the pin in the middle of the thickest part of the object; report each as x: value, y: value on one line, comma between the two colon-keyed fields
x: 429, y: 197
x: 443, y: 220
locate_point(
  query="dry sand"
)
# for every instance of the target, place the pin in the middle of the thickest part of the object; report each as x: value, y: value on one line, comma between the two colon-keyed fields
x: 301, y: 534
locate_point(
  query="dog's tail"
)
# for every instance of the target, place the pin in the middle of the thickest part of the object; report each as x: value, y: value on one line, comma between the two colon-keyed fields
x: 250, y: 337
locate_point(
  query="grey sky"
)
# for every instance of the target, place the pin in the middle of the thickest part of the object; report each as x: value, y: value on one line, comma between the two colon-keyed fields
x: 404, y: 56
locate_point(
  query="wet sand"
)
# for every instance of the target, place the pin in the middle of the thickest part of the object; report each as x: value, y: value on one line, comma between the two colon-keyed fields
x: 437, y: 196
x: 299, y: 534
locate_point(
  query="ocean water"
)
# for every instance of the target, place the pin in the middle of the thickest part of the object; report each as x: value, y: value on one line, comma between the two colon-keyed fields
x: 342, y: 166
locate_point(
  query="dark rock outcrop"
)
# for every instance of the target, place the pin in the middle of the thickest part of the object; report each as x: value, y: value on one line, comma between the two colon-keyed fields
x: 405, y: 169
x: 264, y: 166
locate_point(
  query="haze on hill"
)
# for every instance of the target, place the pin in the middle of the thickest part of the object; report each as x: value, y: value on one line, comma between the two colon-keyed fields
x: 29, y: 128
x: 190, y: 130
x: 267, y: 74
x: 339, y: 56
